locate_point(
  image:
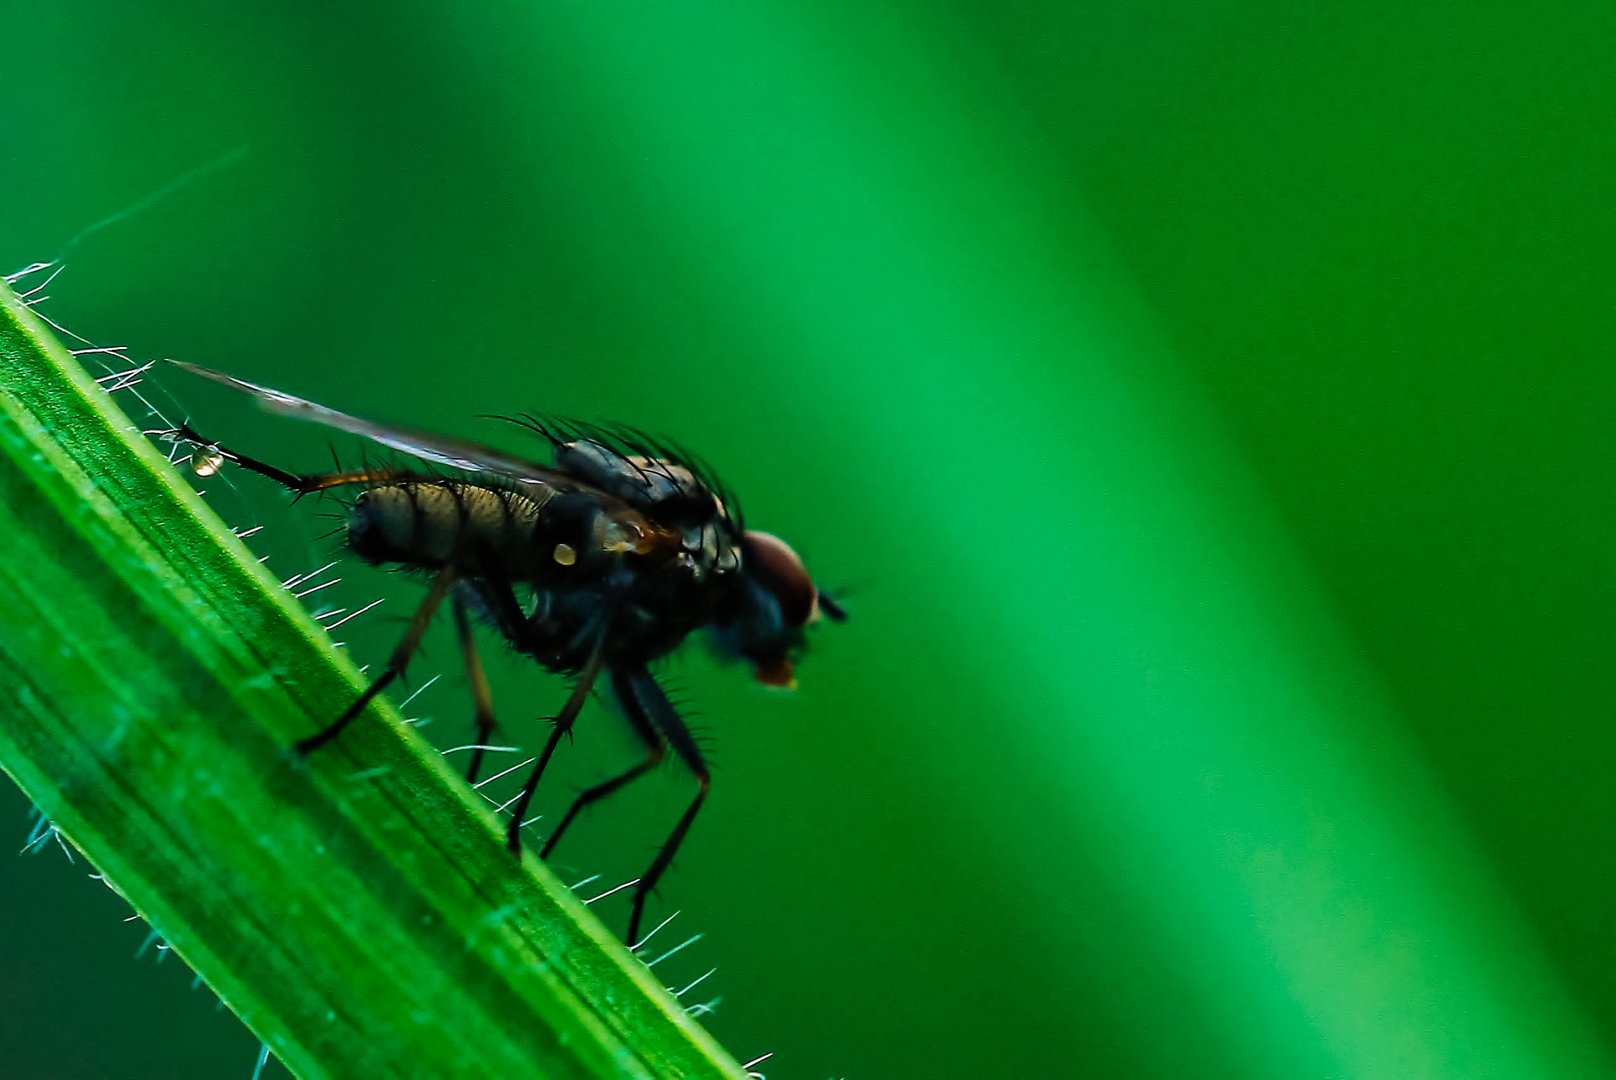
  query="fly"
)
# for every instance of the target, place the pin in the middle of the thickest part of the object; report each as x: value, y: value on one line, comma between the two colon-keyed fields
x: 594, y: 566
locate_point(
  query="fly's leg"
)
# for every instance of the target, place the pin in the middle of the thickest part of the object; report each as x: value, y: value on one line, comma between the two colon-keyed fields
x: 300, y: 484
x: 640, y: 691
x: 481, y: 700
x: 654, y: 750
x: 396, y: 663
x: 307, y: 484
x: 560, y: 726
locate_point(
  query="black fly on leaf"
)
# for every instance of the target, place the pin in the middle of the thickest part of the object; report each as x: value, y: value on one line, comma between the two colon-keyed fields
x: 594, y: 566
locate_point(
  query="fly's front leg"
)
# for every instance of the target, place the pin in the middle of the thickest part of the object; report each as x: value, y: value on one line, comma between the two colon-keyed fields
x: 639, y: 691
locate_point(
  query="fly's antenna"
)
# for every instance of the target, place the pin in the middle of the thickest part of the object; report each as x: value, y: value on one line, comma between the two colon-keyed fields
x: 831, y: 605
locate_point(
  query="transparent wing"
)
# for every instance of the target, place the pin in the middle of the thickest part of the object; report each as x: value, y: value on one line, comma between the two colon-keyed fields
x: 440, y: 449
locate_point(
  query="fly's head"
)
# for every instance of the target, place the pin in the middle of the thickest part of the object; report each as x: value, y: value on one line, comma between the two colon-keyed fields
x: 776, y: 603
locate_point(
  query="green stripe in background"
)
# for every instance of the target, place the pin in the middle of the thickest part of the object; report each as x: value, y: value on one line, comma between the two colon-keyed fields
x: 1085, y: 571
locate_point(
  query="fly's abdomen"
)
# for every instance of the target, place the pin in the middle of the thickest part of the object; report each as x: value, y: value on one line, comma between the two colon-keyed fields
x: 432, y: 523
x: 540, y: 535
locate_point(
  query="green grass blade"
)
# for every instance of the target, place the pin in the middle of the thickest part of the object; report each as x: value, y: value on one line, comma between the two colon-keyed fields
x: 358, y: 913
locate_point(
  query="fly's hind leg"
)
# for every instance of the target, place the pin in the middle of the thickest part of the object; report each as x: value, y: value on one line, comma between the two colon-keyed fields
x: 300, y: 484
x: 309, y: 483
x: 441, y: 584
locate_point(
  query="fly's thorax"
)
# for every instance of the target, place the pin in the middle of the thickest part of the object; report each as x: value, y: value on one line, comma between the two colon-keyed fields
x: 579, y: 539
x: 697, y: 544
x: 670, y: 490
x: 711, y: 550
x: 686, y: 589
x: 659, y: 602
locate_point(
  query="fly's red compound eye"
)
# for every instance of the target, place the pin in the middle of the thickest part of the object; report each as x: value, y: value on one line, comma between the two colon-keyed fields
x: 777, y: 568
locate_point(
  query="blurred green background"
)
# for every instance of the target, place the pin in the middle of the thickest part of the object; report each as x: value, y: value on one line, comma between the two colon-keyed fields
x: 1207, y: 408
